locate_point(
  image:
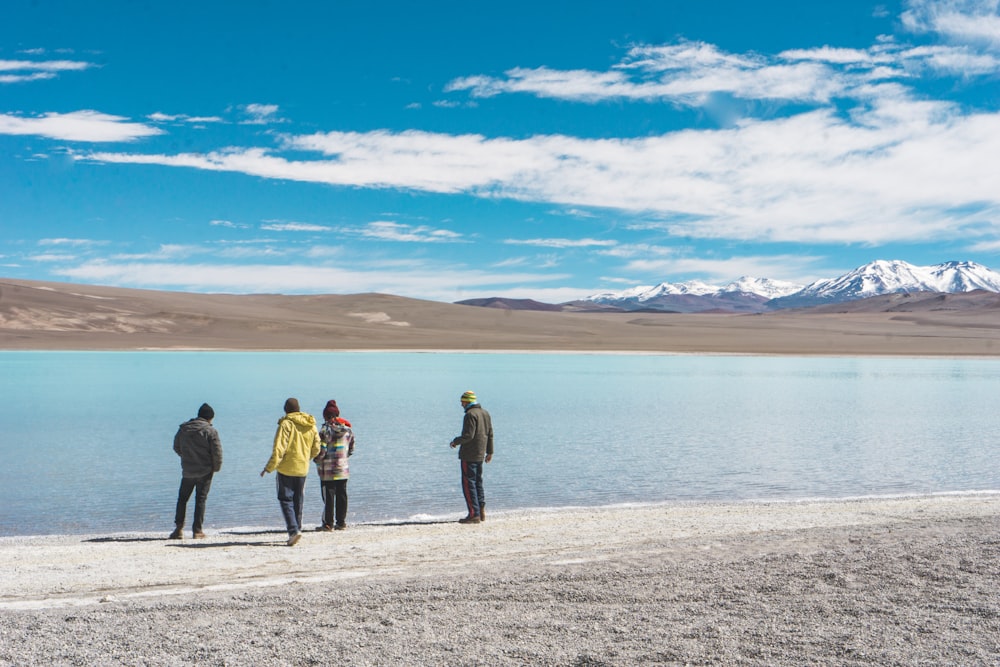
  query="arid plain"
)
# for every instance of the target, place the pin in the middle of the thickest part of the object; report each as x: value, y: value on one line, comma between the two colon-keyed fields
x: 38, y: 315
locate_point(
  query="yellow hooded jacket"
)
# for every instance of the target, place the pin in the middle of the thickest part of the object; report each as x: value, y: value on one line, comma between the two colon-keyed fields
x: 296, y: 443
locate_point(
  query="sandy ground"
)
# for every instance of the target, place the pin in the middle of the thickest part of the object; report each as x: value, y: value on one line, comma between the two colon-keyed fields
x: 912, y: 581
x: 60, y: 316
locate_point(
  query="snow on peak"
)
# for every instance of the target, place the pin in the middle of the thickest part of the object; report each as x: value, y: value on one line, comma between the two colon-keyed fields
x: 873, y: 279
x: 764, y: 287
x: 895, y: 276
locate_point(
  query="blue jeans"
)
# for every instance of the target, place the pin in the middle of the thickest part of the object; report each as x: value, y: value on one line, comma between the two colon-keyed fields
x: 291, y: 493
x: 189, y: 484
x: 472, y: 486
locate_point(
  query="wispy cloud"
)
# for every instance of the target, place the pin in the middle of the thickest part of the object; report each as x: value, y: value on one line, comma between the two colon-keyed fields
x: 71, y: 242
x: 431, y: 282
x: 260, y: 114
x: 229, y: 224
x: 86, y: 126
x: 159, y: 117
x: 394, y: 231
x: 53, y: 257
x: 21, y: 71
x: 816, y: 177
x: 691, y: 73
x: 277, y: 226
x: 164, y: 252
x: 563, y: 243
x: 965, y: 21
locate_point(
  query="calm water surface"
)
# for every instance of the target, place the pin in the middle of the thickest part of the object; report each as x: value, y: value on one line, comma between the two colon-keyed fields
x: 87, y: 437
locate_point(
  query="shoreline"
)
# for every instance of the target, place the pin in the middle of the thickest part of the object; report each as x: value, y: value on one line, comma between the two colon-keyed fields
x: 869, y: 581
x: 563, y: 352
x: 518, y: 513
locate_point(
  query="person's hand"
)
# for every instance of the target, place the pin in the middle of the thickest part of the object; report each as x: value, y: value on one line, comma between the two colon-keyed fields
x: 489, y: 457
x: 263, y: 472
x: 452, y: 444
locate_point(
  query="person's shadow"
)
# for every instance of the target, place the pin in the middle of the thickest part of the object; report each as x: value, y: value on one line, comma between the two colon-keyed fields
x: 206, y: 543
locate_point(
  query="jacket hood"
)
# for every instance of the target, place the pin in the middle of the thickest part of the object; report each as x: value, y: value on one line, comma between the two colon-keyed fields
x: 301, y: 420
x: 194, y: 425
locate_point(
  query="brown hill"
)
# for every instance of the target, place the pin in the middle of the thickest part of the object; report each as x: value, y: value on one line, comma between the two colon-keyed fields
x: 38, y: 315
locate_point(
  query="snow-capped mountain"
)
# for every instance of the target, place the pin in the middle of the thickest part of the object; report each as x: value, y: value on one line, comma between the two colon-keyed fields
x: 765, y: 287
x: 894, y: 277
x: 758, y: 294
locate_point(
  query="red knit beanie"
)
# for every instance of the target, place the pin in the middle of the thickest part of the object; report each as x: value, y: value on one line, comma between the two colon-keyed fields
x: 331, y: 410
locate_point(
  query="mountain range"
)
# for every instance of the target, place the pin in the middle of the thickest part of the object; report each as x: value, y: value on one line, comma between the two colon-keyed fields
x: 756, y: 295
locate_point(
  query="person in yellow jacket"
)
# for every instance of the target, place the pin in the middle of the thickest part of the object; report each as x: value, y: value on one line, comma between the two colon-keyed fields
x: 296, y: 444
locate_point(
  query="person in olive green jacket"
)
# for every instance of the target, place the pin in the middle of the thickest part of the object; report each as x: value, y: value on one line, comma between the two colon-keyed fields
x: 296, y: 444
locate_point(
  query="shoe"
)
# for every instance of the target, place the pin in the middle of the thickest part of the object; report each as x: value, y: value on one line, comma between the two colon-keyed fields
x: 199, y: 535
x: 323, y: 529
x: 482, y: 513
x: 294, y: 539
x: 340, y: 526
x: 178, y: 534
x: 470, y: 519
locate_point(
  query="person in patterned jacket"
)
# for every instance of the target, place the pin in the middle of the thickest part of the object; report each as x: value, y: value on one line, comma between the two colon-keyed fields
x: 337, y: 439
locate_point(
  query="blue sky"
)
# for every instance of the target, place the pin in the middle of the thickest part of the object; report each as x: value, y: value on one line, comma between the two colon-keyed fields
x: 450, y: 150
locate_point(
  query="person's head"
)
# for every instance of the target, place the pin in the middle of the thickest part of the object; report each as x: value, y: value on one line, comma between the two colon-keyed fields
x: 468, y: 398
x: 206, y: 412
x: 331, y: 411
x: 291, y: 405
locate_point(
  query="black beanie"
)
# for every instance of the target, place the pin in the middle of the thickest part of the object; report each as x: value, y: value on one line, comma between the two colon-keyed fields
x: 206, y: 411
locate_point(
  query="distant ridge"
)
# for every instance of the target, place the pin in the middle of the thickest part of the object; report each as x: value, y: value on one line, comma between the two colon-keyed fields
x: 510, y: 304
x: 758, y: 295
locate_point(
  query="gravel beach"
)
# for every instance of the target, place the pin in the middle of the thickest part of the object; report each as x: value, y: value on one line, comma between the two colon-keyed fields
x: 909, y: 581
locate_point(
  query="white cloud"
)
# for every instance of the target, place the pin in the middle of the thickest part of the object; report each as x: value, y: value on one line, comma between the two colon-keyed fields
x: 159, y: 117
x: 686, y: 73
x: 89, y: 126
x: 394, y: 231
x: 563, y: 243
x: 71, y: 242
x: 21, y: 71
x: 839, y: 56
x: 260, y: 114
x: 433, y: 282
x: 165, y: 251
x: 963, y: 21
x: 896, y: 171
x: 53, y: 257
x: 228, y: 223
x: 24, y: 78
x: 693, y: 73
x: 276, y: 226
x: 644, y: 250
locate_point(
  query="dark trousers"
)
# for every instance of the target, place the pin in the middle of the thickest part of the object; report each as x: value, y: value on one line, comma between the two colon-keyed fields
x: 472, y: 486
x: 189, y: 484
x: 291, y: 493
x: 334, y: 502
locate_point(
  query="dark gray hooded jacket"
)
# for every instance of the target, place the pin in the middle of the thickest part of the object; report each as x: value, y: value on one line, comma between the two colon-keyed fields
x: 197, y: 443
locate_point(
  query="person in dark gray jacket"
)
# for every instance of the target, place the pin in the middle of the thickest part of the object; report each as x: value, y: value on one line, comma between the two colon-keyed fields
x: 475, y: 447
x: 197, y: 443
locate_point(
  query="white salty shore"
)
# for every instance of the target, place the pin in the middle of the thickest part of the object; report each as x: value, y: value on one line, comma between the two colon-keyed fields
x: 891, y: 582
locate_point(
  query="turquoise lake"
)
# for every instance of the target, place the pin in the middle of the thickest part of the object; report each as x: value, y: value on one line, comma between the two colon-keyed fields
x: 87, y: 436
